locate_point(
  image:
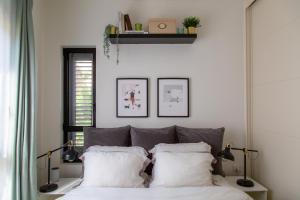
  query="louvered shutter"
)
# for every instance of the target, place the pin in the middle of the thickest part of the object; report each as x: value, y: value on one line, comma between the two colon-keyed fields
x: 79, y: 93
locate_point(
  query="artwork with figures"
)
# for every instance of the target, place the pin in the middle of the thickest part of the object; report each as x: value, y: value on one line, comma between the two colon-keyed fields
x: 173, y: 99
x: 132, y: 97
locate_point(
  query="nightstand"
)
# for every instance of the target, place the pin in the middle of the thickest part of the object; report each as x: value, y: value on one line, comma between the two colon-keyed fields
x: 258, y: 192
x: 64, y: 186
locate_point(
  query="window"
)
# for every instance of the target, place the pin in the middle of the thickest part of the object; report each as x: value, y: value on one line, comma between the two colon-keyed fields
x: 79, y: 93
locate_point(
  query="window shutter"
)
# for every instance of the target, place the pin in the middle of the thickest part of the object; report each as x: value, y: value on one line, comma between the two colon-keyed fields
x: 79, y: 92
x: 83, y: 97
x: 83, y: 93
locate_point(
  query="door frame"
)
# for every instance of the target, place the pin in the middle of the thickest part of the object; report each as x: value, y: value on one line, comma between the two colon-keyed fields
x: 249, y: 77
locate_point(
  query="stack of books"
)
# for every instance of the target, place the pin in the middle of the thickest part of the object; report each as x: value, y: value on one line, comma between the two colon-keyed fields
x: 125, y: 26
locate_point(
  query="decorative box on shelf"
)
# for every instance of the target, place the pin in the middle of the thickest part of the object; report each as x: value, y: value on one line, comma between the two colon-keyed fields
x: 164, y: 26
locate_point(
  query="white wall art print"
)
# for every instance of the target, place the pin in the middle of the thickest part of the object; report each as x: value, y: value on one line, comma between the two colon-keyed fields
x: 132, y: 97
x: 173, y: 97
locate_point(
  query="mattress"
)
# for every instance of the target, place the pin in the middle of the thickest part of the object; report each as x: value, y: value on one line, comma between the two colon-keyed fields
x: 220, y: 191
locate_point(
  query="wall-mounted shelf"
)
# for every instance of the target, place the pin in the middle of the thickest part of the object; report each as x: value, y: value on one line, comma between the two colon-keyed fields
x: 153, y: 38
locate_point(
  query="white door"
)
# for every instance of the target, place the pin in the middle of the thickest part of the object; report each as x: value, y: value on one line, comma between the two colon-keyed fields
x: 275, y: 36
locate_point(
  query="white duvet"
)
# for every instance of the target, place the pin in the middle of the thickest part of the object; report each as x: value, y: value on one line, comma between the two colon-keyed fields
x: 221, y: 192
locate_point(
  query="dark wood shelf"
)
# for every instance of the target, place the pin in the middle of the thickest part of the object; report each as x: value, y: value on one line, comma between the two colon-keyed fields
x: 153, y: 38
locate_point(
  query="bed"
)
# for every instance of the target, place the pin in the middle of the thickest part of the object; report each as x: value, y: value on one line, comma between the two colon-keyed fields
x: 128, y: 137
x: 222, y: 191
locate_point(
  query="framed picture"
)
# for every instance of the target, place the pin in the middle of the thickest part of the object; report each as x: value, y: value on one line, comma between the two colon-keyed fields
x: 132, y: 97
x: 173, y: 97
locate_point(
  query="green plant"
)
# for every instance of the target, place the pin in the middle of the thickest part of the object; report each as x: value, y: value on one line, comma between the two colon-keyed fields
x: 106, y: 41
x: 191, y: 22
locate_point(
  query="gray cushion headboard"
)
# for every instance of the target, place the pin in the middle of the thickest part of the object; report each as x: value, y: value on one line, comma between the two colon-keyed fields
x: 147, y: 138
x: 107, y: 136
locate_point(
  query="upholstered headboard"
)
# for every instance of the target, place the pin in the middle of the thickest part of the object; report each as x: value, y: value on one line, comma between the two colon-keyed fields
x: 119, y: 136
x: 148, y: 138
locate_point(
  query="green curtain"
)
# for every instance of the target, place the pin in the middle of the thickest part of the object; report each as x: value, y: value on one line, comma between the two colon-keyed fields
x: 24, y: 186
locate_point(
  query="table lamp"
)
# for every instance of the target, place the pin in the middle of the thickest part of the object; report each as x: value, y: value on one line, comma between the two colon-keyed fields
x: 226, y: 154
x: 69, y: 155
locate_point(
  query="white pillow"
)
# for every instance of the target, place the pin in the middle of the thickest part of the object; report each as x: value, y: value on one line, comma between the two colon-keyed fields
x: 136, y: 150
x: 113, y: 169
x: 181, y: 169
x: 182, y: 147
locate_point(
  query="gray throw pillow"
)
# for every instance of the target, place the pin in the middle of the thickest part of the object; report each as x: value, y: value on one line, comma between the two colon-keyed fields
x: 149, y: 137
x: 213, y: 137
x: 106, y: 136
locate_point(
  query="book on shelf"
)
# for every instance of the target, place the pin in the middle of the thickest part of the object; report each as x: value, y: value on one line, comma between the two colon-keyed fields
x: 127, y: 22
x: 121, y: 22
x: 124, y: 23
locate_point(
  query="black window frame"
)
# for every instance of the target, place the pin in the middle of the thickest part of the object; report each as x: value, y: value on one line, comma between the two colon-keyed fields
x: 66, y: 88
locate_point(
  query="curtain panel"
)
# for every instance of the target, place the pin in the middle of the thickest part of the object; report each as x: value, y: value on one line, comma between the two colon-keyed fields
x: 18, y: 82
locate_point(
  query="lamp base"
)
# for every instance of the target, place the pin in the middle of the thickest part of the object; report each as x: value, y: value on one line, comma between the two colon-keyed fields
x: 48, y: 187
x: 245, y: 182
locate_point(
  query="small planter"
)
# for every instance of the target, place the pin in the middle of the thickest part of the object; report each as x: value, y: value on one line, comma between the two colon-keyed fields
x: 191, y: 23
x: 192, y: 30
x: 113, y: 30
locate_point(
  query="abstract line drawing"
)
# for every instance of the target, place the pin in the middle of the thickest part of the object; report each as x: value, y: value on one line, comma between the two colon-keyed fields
x: 173, y: 94
x: 132, y: 97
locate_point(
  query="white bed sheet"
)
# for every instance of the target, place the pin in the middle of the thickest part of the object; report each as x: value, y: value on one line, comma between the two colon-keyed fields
x: 223, y: 191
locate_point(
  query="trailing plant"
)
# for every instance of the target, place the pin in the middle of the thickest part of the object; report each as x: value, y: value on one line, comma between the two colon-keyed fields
x: 106, y: 41
x: 118, y: 47
x: 191, y: 21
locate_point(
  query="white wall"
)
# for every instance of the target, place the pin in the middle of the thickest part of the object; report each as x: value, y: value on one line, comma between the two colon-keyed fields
x: 214, y: 64
x: 276, y: 96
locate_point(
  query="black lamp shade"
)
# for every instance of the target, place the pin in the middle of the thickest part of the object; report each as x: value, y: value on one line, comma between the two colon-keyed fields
x: 70, y: 155
x: 226, y: 154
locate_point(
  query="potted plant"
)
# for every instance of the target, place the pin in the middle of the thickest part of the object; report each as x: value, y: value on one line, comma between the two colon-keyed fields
x: 191, y: 23
x: 106, y: 41
x: 110, y: 29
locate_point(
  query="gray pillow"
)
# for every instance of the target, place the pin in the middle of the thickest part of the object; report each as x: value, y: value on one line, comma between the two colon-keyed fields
x: 213, y: 137
x: 106, y: 136
x: 149, y: 137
